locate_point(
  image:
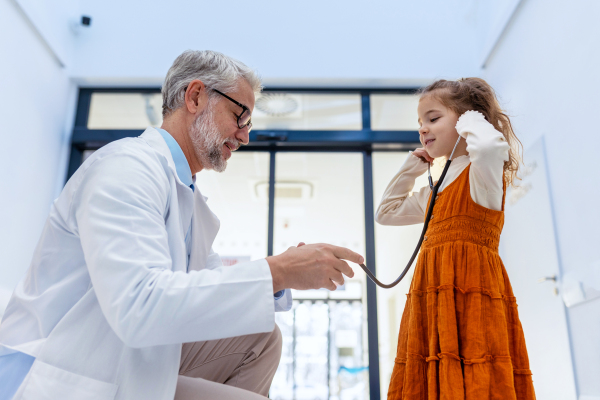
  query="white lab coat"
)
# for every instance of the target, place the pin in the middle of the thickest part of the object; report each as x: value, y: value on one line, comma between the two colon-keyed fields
x: 107, y: 301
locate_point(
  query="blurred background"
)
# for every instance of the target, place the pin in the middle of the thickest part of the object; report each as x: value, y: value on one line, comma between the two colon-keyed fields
x: 334, y: 124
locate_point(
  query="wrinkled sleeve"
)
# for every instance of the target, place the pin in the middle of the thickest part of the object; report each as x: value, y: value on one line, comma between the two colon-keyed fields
x: 399, y: 206
x: 488, y: 150
x: 282, y: 299
x: 119, y: 215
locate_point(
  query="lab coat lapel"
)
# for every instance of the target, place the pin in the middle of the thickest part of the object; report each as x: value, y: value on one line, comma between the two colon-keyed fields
x: 185, y: 196
x: 205, y: 226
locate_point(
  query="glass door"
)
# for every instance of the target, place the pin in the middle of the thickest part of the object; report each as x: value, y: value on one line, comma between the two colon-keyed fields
x: 319, y: 198
x: 393, y: 247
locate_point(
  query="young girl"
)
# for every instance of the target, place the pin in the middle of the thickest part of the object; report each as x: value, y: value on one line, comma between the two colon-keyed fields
x: 460, y: 335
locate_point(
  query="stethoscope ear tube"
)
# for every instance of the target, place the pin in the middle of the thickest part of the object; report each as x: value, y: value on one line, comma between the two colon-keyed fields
x: 434, y: 191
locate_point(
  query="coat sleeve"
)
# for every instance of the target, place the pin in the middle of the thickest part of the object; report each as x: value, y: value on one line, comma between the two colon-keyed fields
x: 119, y: 212
x: 283, y: 303
x: 399, y: 206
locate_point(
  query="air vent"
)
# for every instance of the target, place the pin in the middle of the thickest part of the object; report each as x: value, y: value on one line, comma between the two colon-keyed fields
x: 286, y: 190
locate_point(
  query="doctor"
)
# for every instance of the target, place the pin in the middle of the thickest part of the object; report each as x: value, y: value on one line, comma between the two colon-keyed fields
x: 124, y: 273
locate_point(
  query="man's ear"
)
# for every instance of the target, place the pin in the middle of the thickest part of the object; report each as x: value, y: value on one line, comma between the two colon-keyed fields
x: 196, y: 96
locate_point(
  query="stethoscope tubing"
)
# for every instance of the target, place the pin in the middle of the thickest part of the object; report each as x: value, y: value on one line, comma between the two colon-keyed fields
x: 434, y: 191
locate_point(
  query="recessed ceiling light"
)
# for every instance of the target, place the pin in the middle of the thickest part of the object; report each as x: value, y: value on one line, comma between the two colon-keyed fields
x: 277, y: 104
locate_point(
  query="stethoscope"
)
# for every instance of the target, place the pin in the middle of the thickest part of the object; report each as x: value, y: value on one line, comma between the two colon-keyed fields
x: 434, y: 191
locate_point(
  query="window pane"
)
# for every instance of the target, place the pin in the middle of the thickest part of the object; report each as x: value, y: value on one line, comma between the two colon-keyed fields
x: 326, y: 335
x: 393, y: 246
x: 272, y: 111
x: 307, y: 111
x: 244, y: 216
x: 394, y: 112
x: 125, y: 110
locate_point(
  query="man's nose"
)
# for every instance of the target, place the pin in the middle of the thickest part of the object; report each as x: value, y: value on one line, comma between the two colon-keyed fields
x: 243, y: 136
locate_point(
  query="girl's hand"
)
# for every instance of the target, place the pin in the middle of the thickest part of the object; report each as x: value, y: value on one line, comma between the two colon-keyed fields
x: 474, y: 122
x: 423, y: 155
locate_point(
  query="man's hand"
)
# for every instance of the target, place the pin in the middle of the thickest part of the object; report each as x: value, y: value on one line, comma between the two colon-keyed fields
x: 312, y: 266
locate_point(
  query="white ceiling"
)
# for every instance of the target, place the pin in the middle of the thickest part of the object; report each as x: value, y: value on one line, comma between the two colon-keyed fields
x: 381, y: 42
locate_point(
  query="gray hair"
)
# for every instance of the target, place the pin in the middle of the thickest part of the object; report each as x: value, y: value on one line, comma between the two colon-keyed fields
x: 215, y: 70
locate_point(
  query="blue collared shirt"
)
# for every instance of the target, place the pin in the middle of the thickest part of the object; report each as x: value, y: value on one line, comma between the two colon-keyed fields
x: 182, y: 167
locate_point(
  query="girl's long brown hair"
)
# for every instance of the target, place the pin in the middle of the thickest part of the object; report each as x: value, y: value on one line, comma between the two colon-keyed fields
x: 476, y: 94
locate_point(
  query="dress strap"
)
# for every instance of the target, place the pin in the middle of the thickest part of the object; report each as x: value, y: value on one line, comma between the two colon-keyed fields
x: 503, y: 190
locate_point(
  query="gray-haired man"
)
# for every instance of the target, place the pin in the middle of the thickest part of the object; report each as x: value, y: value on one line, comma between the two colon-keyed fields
x: 124, y: 272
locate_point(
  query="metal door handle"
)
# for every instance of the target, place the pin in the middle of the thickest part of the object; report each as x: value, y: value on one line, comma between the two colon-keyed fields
x: 547, y: 278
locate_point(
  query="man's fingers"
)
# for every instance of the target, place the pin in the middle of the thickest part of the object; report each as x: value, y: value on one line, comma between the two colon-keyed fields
x: 338, y: 279
x: 331, y: 285
x: 344, y: 268
x: 346, y: 254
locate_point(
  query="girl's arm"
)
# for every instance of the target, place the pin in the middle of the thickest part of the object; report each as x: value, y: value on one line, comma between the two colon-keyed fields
x: 398, y: 206
x: 488, y: 151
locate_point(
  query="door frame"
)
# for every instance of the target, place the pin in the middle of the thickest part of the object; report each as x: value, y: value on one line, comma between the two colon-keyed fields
x: 364, y: 141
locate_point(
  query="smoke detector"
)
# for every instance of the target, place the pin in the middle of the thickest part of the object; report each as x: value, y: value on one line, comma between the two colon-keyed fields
x: 277, y: 104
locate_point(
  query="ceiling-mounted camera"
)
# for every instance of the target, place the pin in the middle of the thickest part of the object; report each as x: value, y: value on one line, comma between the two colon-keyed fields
x: 80, y: 24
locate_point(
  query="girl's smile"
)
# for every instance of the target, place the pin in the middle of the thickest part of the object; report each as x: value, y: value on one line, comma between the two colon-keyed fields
x: 437, y: 130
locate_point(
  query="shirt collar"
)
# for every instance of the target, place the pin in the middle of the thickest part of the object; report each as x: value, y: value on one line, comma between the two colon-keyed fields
x: 181, y: 164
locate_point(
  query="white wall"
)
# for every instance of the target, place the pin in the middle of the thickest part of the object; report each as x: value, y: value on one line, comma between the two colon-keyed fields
x: 36, y: 96
x: 545, y: 69
x: 54, y: 22
x: 313, y: 41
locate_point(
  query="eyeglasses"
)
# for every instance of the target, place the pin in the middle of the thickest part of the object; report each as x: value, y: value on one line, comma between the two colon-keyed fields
x: 245, y: 118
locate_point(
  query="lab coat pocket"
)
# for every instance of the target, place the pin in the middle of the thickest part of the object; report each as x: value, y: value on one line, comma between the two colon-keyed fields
x: 47, y: 382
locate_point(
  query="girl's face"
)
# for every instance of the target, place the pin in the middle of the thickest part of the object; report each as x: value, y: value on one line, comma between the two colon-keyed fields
x: 437, y: 130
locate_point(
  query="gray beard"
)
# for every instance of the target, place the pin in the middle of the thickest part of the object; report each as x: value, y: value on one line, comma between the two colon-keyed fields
x: 208, y: 142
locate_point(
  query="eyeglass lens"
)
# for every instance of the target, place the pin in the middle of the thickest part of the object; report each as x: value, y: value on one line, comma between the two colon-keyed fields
x: 245, y: 119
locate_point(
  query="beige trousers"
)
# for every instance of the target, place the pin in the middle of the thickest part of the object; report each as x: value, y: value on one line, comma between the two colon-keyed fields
x: 235, y: 368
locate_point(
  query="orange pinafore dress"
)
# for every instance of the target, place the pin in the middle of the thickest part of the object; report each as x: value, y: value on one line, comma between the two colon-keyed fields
x: 460, y: 335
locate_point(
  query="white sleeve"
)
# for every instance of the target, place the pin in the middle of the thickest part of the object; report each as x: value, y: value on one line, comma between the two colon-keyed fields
x: 488, y: 150
x: 399, y: 206
x: 284, y: 303
x: 118, y: 212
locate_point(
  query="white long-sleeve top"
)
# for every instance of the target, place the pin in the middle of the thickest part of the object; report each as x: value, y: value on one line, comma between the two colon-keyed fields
x: 488, y: 150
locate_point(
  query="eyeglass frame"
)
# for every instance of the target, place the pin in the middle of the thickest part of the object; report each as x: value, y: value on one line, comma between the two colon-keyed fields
x: 244, y: 109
